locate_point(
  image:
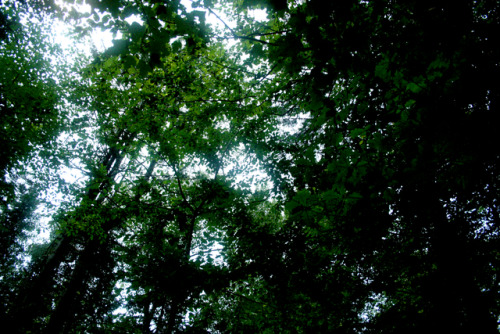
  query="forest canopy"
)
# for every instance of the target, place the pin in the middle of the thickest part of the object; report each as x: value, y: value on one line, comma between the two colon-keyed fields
x: 321, y: 167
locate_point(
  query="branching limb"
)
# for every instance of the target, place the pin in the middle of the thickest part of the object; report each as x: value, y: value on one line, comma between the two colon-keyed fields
x: 235, y: 35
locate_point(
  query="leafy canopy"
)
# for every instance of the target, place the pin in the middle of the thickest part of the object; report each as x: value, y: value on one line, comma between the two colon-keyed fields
x: 326, y: 167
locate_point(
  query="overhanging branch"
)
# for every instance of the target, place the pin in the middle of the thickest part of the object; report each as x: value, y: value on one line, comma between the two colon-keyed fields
x: 235, y: 35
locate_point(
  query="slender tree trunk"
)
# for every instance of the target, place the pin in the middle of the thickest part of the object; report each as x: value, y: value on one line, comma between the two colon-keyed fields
x: 31, y: 301
x: 458, y: 303
x: 35, y: 300
x: 64, y: 314
x: 172, y: 316
x: 149, y: 310
x: 66, y: 309
x: 461, y: 305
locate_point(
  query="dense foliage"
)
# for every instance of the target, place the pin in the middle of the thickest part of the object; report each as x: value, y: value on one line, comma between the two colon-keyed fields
x: 330, y: 168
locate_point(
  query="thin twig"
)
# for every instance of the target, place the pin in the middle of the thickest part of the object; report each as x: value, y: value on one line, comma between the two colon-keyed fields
x: 235, y: 35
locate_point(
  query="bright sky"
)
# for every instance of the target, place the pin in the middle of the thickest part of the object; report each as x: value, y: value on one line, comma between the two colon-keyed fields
x: 102, y: 40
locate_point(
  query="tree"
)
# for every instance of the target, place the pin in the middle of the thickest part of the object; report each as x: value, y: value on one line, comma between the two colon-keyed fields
x: 30, y: 103
x: 375, y: 208
x: 387, y: 170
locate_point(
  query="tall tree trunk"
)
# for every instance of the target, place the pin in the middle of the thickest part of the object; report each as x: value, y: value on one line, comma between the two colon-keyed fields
x: 149, y: 310
x: 457, y: 303
x: 31, y: 301
x: 64, y: 313
x: 35, y: 299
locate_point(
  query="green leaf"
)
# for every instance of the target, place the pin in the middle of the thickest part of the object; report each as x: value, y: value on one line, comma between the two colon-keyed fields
x: 176, y: 46
x: 414, y: 88
x: 120, y: 46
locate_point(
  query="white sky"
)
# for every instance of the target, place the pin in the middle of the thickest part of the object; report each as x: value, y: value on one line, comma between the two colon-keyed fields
x: 102, y: 40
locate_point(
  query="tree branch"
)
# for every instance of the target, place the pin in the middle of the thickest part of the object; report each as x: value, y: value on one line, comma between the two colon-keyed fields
x: 235, y: 35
